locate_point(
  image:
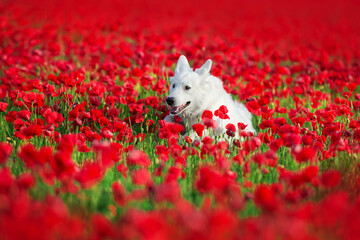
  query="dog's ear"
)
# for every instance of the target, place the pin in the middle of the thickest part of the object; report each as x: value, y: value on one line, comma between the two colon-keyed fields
x: 204, y: 68
x: 182, y: 65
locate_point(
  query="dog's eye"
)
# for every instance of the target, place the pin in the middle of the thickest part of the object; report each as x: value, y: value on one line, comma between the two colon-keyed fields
x: 187, y: 88
x: 174, y: 85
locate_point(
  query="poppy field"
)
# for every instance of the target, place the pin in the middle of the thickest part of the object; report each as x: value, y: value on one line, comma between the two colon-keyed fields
x: 85, y: 152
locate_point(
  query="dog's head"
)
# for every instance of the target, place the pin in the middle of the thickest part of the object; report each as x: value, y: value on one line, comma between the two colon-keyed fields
x: 186, y: 87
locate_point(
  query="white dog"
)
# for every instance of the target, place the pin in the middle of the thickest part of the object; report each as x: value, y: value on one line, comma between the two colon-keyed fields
x: 193, y: 92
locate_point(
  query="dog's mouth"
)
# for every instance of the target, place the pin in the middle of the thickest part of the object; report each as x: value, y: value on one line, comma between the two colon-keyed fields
x: 178, y: 109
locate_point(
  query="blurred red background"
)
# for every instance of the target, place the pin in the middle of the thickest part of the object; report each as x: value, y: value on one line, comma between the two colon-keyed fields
x: 165, y: 13
x: 279, y: 23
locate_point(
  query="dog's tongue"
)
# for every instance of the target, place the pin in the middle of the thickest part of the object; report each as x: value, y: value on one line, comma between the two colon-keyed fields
x: 174, y: 109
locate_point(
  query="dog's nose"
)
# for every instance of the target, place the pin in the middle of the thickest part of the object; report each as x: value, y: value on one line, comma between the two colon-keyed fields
x: 170, y: 101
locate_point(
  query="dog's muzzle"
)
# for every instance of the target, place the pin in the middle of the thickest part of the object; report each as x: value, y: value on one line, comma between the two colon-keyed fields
x: 178, y: 109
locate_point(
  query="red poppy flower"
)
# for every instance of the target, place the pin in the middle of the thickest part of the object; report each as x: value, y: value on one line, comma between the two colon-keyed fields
x: 241, y: 126
x: 173, y: 174
x: 119, y: 193
x: 24, y: 115
x: 207, y: 115
x: 253, y: 107
x: 5, y: 151
x: 330, y: 178
x: 177, y: 119
x: 265, y: 198
x: 198, y: 128
x: 3, y: 106
x: 163, y: 152
x: 230, y: 130
x: 26, y: 181
x: 304, y: 154
x: 222, y: 112
x: 138, y: 158
x: 90, y: 174
x: 169, y: 130
x: 141, y: 177
x: 62, y: 165
x: 167, y: 191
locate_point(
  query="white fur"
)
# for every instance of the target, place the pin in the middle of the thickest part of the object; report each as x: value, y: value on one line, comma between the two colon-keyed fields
x: 206, y: 93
